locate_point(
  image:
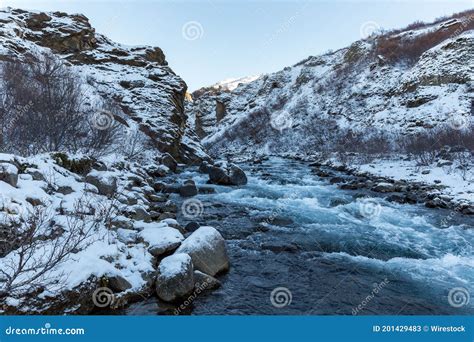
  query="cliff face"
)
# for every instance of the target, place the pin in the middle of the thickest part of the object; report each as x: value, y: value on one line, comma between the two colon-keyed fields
x: 403, y: 82
x: 137, y: 78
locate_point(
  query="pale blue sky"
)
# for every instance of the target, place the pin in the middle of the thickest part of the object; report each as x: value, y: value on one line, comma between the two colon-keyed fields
x: 242, y: 37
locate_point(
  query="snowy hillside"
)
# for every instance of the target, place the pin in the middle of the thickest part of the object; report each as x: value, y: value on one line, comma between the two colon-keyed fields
x: 374, y: 84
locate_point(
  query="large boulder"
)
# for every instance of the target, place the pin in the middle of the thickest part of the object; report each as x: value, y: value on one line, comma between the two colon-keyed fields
x: 175, y: 278
x: 207, y: 248
x: 218, y: 175
x: 229, y: 174
x: 9, y: 174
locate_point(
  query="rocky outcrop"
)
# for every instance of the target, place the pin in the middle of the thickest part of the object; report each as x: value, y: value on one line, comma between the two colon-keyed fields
x: 153, y: 99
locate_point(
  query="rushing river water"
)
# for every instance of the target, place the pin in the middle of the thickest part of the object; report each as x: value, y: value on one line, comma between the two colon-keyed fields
x: 330, y: 251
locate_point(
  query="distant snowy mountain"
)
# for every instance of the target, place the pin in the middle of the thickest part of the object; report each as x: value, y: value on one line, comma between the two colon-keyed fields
x: 231, y: 83
x: 400, y: 82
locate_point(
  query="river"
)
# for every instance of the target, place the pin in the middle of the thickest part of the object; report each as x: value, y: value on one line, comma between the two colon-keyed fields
x: 299, y: 245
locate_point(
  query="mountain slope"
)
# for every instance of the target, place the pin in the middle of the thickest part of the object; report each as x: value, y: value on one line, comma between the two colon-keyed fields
x: 403, y: 82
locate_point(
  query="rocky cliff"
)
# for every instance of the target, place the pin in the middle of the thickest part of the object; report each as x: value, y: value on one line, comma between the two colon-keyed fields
x: 137, y: 78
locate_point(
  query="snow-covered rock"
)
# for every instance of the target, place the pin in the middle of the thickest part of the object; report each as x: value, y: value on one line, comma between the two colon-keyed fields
x: 207, y: 248
x: 104, y: 181
x: 162, y: 239
x: 175, y: 278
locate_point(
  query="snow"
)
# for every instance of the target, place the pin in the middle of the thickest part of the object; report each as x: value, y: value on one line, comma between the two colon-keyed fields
x: 161, y: 236
x: 231, y: 84
x: 201, y: 237
x: 459, y: 186
x: 105, y: 252
x: 174, y: 265
x: 366, y: 97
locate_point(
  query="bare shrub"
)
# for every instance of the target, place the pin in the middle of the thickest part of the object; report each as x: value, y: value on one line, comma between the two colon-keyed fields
x: 397, y: 49
x: 425, y: 147
x: 43, y: 108
x: 41, y: 248
x: 38, y: 245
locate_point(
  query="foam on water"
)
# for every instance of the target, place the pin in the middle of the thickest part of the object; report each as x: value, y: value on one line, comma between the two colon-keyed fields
x: 404, y: 242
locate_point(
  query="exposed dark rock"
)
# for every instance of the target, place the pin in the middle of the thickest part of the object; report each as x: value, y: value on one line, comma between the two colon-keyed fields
x: 188, y: 189
x: 169, y: 162
x: 191, y: 226
x: 118, y: 284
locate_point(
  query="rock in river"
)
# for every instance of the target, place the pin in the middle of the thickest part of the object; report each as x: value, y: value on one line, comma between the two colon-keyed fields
x: 207, y: 248
x: 227, y: 175
x: 175, y: 278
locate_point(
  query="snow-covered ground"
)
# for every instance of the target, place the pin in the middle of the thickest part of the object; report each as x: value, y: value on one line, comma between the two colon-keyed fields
x: 95, y: 225
x: 459, y: 185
